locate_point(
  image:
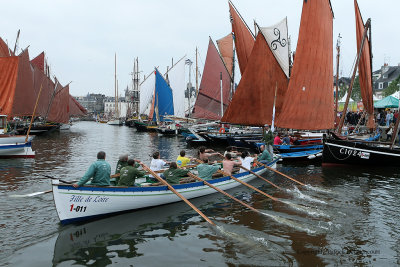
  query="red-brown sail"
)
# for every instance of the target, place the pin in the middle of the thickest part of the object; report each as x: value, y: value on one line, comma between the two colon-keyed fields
x: 24, y: 96
x: 208, y: 103
x: 39, y: 61
x: 364, y: 68
x: 8, y: 81
x: 308, y: 103
x: 75, y: 108
x: 244, y: 39
x: 225, y: 46
x: 253, y: 101
x: 4, y: 51
x: 59, y: 111
x: 41, y: 80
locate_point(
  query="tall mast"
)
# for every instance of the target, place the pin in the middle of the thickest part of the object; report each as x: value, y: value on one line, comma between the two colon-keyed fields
x: 115, y: 85
x: 197, y: 77
x: 337, y: 75
x: 340, y: 126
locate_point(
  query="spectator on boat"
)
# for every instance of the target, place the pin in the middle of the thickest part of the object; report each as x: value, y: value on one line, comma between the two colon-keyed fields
x: 174, y: 174
x: 296, y: 141
x: 389, y: 132
x: 207, y: 170
x: 228, y: 164
x: 230, y: 150
x: 100, y: 171
x: 206, y: 153
x: 277, y: 140
x: 122, y: 162
x: 129, y: 174
x: 246, y: 161
x: 181, y: 160
x: 286, y: 140
x: 268, y: 138
x: 264, y: 157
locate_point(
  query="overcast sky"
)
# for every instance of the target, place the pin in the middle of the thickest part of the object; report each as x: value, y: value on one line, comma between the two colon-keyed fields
x: 80, y: 37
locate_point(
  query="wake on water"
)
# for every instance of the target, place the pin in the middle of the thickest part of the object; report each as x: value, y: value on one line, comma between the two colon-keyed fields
x: 308, y: 210
x: 299, y: 194
x: 319, y: 189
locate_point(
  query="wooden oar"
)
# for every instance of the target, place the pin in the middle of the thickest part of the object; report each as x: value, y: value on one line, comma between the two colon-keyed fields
x: 248, y: 185
x: 223, y: 192
x: 284, y: 175
x: 33, y: 194
x: 54, y: 178
x: 259, y: 176
x: 176, y: 192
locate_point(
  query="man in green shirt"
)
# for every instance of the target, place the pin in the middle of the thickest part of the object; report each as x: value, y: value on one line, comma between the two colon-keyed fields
x: 129, y: 174
x: 206, y: 170
x: 173, y: 175
x: 264, y: 157
x: 268, y: 139
x: 100, y: 170
x: 122, y: 162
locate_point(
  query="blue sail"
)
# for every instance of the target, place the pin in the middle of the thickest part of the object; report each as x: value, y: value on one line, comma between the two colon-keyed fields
x: 163, y: 98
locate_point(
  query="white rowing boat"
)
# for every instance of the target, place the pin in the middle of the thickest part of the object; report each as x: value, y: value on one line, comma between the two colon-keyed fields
x: 87, y: 202
x: 19, y: 150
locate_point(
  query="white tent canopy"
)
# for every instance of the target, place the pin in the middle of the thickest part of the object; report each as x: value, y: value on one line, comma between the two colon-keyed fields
x: 343, y: 99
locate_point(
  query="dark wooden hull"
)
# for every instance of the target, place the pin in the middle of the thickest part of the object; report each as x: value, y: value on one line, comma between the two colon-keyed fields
x: 38, y: 129
x: 352, y: 152
x: 140, y: 126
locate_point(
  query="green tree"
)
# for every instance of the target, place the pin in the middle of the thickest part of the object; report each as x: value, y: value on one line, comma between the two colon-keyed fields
x: 356, y: 92
x: 392, y: 88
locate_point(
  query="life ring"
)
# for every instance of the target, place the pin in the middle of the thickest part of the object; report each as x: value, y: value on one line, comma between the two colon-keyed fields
x: 222, y: 130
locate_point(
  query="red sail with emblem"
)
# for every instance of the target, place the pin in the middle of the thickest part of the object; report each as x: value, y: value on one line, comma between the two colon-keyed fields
x: 253, y: 101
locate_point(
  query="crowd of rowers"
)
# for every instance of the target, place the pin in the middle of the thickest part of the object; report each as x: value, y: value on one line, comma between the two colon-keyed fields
x: 127, y: 170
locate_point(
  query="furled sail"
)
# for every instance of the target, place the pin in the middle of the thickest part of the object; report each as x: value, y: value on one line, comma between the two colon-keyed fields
x: 163, y: 104
x: 59, y: 111
x: 146, y: 92
x: 365, y: 68
x: 244, y: 38
x: 225, y: 46
x: 208, y: 102
x: 308, y: 103
x: 277, y: 39
x: 176, y: 77
x: 253, y: 101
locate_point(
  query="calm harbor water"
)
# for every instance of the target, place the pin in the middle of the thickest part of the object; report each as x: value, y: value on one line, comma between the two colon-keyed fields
x: 345, y: 216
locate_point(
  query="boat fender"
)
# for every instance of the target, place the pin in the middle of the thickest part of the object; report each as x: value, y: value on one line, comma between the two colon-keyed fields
x: 311, y: 157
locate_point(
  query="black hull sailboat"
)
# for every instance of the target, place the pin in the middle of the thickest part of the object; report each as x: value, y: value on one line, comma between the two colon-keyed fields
x: 358, y: 152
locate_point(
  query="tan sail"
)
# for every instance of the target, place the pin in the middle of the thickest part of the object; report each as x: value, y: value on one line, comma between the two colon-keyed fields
x: 308, y: 103
x: 244, y: 38
x: 365, y: 68
x: 225, y: 46
x: 253, y: 101
x: 208, y: 102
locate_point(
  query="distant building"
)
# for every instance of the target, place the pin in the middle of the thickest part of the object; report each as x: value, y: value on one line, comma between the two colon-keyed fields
x: 109, y: 107
x: 94, y: 103
x: 383, y: 77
